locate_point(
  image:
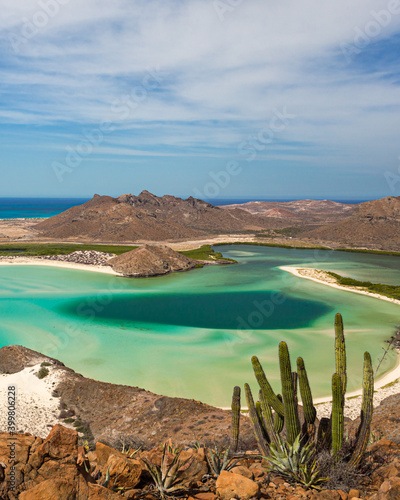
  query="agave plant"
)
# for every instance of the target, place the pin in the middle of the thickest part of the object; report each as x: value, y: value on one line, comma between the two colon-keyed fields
x: 166, y: 475
x: 295, y: 462
x: 220, y: 460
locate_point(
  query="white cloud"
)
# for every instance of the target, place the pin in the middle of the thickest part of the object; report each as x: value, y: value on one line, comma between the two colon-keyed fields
x: 215, y: 75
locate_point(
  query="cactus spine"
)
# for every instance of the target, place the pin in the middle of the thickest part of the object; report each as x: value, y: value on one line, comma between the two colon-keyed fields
x: 337, y: 413
x: 235, y: 418
x: 340, y: 352
x: 366, y: 411
x: 292, y: 422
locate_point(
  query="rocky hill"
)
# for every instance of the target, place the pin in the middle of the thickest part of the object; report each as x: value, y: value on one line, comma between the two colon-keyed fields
x: 373, y: 224
x: 151, y: 260
x: 308, y: 212
x: 147, y: 217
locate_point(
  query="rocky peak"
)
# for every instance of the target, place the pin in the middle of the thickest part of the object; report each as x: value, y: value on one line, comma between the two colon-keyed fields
x: 384, y: 209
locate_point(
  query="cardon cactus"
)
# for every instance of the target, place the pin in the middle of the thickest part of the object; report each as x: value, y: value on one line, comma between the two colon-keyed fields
x: 329, y: 436
x: 235, y: 418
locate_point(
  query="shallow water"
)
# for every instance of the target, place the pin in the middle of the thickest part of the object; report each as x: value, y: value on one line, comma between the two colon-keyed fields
x: 193, y: 334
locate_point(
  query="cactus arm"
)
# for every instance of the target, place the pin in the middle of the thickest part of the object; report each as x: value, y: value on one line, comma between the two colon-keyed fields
x: 235, y: 418
x: 292, y: 422
x: 337, y: 414
x: 266, y: 387
x: 268, y: 419
x: 340, y: 352
x: 366, y: 411
x: 258, y: 430
x: 279, y: 420
x: 310, y: 412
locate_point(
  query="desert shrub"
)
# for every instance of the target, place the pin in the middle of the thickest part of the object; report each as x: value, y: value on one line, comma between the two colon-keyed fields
x: 43, y: 372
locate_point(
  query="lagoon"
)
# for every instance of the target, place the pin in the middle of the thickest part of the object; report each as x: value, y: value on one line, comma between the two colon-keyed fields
x: 192, y: 334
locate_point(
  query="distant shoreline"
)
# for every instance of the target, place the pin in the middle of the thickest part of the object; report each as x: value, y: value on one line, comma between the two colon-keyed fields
x: 324, y: 278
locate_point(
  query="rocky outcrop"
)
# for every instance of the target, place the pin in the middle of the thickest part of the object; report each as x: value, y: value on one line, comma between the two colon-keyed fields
x: 151, y: 260
x: 88, y: 257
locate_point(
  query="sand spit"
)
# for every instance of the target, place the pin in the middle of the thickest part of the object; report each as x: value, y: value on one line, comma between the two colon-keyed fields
x: 326, y: 279
x: 32, y: 261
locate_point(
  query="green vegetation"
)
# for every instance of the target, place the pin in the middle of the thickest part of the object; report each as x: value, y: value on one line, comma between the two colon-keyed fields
x: 205, y: 252
x: 45, y: 363
x: 41, y: 249
x: 277, y: 245
x: 391, y: 291
x: 364, y: 250
x: 43, y: 372
x: 302, y: 452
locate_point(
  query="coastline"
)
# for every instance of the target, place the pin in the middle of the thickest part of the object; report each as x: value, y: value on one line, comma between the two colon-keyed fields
x: 391, y: 378
x: 324, y: 279
x: 32, y: 261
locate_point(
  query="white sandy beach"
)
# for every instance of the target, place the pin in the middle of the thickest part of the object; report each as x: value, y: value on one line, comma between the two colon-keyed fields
x: 325, y: 279
x: 32, y: 261
x: 37, y: 409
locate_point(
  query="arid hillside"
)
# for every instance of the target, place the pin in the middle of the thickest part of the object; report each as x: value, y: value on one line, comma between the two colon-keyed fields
x: 374, y: 224
x: 148, y: 218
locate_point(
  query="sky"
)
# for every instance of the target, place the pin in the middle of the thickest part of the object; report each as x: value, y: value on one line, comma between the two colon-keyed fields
x: 244, y: 99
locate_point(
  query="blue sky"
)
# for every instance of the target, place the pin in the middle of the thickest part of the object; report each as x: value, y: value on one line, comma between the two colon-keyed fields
x: 251, y: 99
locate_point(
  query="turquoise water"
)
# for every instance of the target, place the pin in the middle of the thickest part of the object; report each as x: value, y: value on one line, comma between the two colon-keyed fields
x: 193, y: 334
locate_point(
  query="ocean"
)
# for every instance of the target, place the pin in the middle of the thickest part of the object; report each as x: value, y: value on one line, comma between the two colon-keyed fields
x: 32, y: 208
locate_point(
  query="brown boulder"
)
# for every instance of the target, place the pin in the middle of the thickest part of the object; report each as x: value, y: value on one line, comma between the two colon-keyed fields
x: 390, y: 489
x: 122, y: 469
x: 229, y: 485
x: 61, y: 443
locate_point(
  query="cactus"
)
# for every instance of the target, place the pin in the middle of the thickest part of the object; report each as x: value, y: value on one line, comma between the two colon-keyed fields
x: 235, y: 418
x: 265, y: 386
x: 337, y: 414
x: 292, y: 422
x: 267, y: 427
x: 366, y: 411
x: 279, y: 421
x: 268, y: 419
x: 310, y: 412
x: 340, y: 352
x: 258, y: 429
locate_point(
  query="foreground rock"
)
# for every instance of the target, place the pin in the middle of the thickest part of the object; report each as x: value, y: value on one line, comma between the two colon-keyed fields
x: 57, y: 469
x: 151, y: 260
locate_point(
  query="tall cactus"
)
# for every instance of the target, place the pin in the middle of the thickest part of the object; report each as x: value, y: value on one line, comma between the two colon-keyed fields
x: 258, y: 430
x: 340, y: 352
x: 310, y: 413
x: 292, y: 421
x: 267, y: 426
x: 337, y: 413
x: 265, y: 386
x: 268, y: 419
x: 235, y: 418
x: 366, y: 411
